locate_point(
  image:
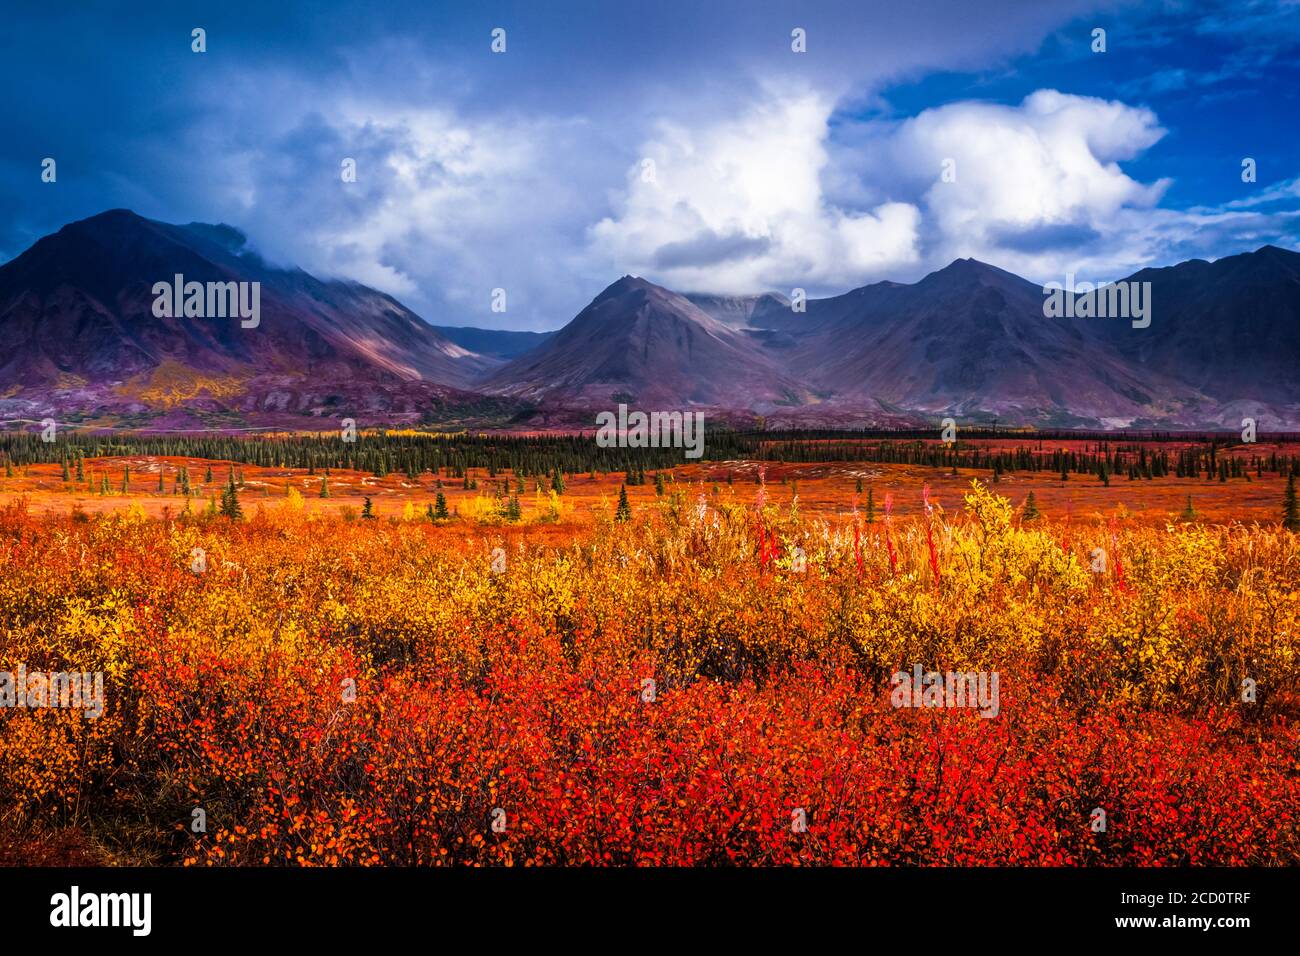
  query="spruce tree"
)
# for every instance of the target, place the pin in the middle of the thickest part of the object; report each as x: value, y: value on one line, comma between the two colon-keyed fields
x: 230, y: 500
x: 440, y: 508
x: 1188, y: 513
x: 659, y: 484
x: 624, y: 511
x: 871, y: 506
x: 325, y: 486
x: 1031, y: 512
x: 367, y: 510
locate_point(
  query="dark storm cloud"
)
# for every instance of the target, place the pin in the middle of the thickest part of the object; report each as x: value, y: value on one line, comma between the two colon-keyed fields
x: 480, y: 171
x: 708, y: 248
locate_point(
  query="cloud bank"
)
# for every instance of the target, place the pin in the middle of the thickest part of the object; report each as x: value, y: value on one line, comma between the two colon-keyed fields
x: 689, y: 143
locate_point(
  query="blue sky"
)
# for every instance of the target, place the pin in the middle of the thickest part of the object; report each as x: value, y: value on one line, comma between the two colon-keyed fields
x: 685, y: 142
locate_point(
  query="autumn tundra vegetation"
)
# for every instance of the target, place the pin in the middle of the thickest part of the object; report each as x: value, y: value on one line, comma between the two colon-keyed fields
x: 519, y: 654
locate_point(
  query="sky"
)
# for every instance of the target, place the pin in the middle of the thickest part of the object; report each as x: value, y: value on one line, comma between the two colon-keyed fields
x: 690, y: 143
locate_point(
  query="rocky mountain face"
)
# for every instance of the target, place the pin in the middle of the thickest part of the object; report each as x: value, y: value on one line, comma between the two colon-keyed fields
x: 79, y: 318
x: 642, y: 344
x: 84, y: 338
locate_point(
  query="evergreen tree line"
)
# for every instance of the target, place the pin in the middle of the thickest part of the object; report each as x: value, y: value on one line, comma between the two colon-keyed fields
x: 552, y: 457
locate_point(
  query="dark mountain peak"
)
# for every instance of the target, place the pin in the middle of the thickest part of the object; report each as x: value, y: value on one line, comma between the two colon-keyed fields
x: 632, y: 299
x: 122, y: 229
x: 109, y: 217
x: 642, y: 340
x: 865, y: 290
x: 119, y: 252
x: 1263, y: 264
x: 1265, y: 257
x: 623, y: 286
x: 78, y: 305
x: 1269, y: 259
x: 124, y: 235
x: 962, y: 277
x: 113, y: 226
x: 1277, y: 252
x: 972, y: 270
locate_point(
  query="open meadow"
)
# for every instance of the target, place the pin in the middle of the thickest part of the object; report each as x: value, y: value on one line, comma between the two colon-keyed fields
x: 482, y: 666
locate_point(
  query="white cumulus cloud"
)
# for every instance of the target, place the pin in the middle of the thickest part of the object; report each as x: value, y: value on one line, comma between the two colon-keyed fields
x: 739, y: 206
x: 1032, y: 187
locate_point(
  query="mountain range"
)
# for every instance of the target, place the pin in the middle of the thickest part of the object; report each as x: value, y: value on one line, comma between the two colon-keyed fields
x: 82, y: 343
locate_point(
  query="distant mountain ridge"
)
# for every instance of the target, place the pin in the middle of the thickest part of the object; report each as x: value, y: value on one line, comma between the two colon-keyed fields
x: 972, y: 341
x: 1230, y: 328
x: 649, y: 346
x: 740, y: 311
x: 76, y: 313
x: 494, y: 343
x: 969, y: 340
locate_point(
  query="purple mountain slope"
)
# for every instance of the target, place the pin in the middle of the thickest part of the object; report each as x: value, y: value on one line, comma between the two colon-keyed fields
x: 76, y: 313
x: 644, y: 344
x: 970, y: 340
